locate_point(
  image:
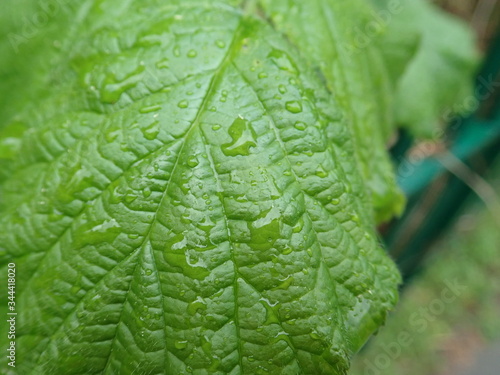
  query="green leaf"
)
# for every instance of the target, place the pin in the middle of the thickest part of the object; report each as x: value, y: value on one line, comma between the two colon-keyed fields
x: 433, y: 59
x: 180, y: 198
x: 328, y: 35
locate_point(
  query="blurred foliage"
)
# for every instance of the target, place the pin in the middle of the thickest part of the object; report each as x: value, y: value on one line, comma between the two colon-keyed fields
x: 453, y: 330
x: 483, y: 15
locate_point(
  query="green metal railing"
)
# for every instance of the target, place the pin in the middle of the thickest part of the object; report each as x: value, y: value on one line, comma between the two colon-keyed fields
x: 438, y: 185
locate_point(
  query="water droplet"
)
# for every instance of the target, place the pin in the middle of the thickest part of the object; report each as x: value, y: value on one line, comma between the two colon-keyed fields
x: 162, y: 64
x: 320, y: 172
x: 282, y: 89
x: 271, y: 311
x: 152, y: 131
x: 93, y: 233
x: 192, y: 161
x: 285, y: 284
x: 114, y: 86
x: 183, y: 104
x: 133, y: 236
x: 130, y: 197
x: 181, y: 344
x: 206, y: 345
x: 262, y: 75
x: 220, y: 43
x: 146, y: 192
x: 197, y: 306
x: 177, y: 51
x: 299, y: 125
x: 293, y: 106
x: 315, y: 336
x: 111, y: 135
x: 149, y: 109
x: 216, y: 127
x: 192, y: 53
x: 243, y: 138
x: 283, y: 61
x: 187, y: 262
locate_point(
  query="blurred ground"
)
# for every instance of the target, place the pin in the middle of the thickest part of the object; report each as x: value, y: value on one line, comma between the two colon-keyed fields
x: 448, y: 319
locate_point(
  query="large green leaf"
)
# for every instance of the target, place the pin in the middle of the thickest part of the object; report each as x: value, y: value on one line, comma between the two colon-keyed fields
x: 327, y: 34
x: 180, y: 195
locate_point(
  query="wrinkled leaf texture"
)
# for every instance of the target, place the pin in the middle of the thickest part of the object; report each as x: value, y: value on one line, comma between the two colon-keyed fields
x: 184, y: 190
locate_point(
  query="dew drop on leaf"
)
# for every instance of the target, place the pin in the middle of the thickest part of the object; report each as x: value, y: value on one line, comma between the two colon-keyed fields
x: 192, y: 161
x: 152, y: 131
x: 183, y: 104
x: 149, y: 109
x: 177, y: 51
x: 181, y: 344
x: 243, y: 138
x: 162, y: 64
x: 293, y: 106
x: 299, y: 125
x: 146, y: 192
x: 320, y: 172
x: 197, y: 306
x: 283, y: 61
